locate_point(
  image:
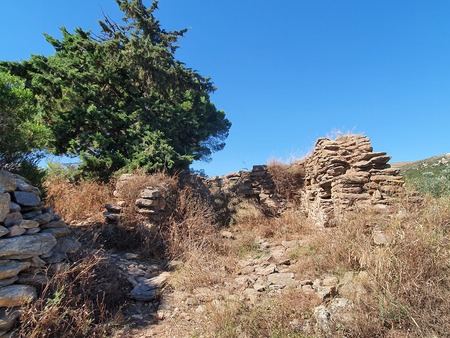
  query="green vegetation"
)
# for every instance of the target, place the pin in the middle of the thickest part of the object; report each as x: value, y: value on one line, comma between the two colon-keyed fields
x: 429, y: 176
x: 21, y: 132
x: 120, y: 99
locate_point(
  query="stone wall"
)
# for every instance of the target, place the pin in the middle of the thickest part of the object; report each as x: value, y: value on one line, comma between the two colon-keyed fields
x: 339, y: 176
x: 33, y: 241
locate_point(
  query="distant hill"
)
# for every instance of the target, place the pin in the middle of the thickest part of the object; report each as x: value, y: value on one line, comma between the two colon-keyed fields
x: 431, y: 175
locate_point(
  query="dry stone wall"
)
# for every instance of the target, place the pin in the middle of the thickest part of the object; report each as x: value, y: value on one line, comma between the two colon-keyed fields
x: 339, y: 176
x: 33, y: 240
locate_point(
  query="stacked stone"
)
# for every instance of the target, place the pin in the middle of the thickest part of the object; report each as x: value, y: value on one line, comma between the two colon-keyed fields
x: 345, y: 173
x: 32, y: 240
x: 152, y: 202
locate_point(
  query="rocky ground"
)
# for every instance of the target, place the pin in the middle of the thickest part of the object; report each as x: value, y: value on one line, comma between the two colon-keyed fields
x: 161, y: 306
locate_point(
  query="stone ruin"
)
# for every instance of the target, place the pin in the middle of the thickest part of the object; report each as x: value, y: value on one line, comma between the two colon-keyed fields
x: 34, y: 243
x: 338, y: 176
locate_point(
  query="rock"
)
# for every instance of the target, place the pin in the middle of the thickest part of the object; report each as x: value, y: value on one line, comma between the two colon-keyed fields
x: 16, y: 295
x: 7, y: 182
x: 67, y: 245
x: 32, y: 231
x: 267, y: 270
x: 54, y: 224
x: 26, y: 246
x: 28, y: 224
x: 15, y: 230
x: 22, y: 185
x: 57, y: 232
x: 290, y: 244
x: 55, y: 257
x: 284, y: 279
x: 150, y: 193
x: 144, y: 292
x: 324, y: 292
x: 146, y: 203
x: 352, y: 285
x: 8, y: 318
x: 14, y: 207
x: 13, y: 218
x: 31, y: 214
x: 44, y: 218
x: 380, y: 238
x: 5, y: 200
x: 330, y: 281
x: 10, y: 268
x: 28, y: 199
x: 227, y: 234
x: 130, y: 255
x: 8, y: 281
x: 33, y: 279
x: 3, y: 231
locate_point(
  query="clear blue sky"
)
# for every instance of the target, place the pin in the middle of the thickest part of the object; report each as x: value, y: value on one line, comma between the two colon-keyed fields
x: 291, y: 71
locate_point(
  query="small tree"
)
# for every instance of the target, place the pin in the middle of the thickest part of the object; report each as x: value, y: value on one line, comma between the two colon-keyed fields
x: 121, y: 99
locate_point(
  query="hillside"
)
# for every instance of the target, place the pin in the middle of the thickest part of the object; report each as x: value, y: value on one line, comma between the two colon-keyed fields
x: 431, y: 175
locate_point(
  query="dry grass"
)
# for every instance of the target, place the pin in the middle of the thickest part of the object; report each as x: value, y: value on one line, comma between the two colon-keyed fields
x: 82, y: 301
x: 410, y: 277
x: 288, y: 178
x: 76, y: 201
x: 284, y: 315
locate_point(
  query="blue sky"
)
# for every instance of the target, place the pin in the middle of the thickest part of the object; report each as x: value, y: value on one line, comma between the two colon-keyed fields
x: 291, y: 71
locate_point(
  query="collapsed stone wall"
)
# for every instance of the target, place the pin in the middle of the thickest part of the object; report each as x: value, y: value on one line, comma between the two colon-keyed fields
x: 344, y: 174
x: 339, y: 176
x: 33, y: 242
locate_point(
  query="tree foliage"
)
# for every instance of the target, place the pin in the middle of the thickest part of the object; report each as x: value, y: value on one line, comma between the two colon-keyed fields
x: 21, y: 133
x: 121, y: 98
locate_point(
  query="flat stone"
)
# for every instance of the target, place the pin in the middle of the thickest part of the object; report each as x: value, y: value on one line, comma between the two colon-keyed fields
x: 380, y: 238
x: 284, y: 278
x: 55, y: 257
x: 54, y: 224
x: 67, y: 245
x: 33, y: 279
x: 330, y: 281
x: 28, y: 224
x: 3, y: 231
x: 22, y: 185
x: 27, y: 199
x: 144, y: 292
x: 14, y: 207
x: 10, y: 268
x: 12, y: 218
x: 8, y: 281
x: 32, y: 231
x: 149, y: 193
x: 29, y: 246
x: 15, y: 230
x: 31, y: 214
x: 130, y: 255
x: 44, y: 218
x: 290, y: 244
x: 146, y: 203
x: 5, y: 202
x: 8, y: 318
x: 57, y: 232
x: 227, y: 234
x: 7, y: 181
x: 267, y: 270
x: 16, y: 295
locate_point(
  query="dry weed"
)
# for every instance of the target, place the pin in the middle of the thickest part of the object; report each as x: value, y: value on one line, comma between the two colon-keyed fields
x: 288, y: 178
x: 285, y: 315
x: 411, y: 276
x: 82, y: 301
x: 79, y: 200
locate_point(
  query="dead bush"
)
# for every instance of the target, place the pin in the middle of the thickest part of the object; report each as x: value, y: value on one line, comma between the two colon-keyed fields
x: 77, y: 200
x: 82, y: 301
x: 288, y: 178
x: 410, y: 287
